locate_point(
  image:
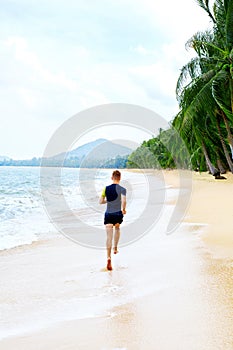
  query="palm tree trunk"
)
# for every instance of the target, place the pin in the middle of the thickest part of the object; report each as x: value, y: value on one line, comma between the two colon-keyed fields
x: 214, y: 171
x: 229, y: 134
x: 228, y: 158
x: 220, y: 166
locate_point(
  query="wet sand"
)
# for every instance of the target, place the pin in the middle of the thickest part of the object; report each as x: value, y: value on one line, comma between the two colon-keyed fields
x: 165, y: 292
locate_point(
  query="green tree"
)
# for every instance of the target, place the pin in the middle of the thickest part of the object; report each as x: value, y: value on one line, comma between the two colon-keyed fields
x: 204, y: 88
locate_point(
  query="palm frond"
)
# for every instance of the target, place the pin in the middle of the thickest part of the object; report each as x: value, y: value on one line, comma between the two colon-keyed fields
x: 205, y: 5
x: 219, y: 27
x: 204, y: 44
x: 191, y: 91
x: 196, y: 112
x: 229, y: 25
x: 221, y: 92
x: 226, y: 2
x: 190, y: 71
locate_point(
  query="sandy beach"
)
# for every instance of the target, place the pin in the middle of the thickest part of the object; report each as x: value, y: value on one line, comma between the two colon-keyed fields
x: 166, y: 292
x: 212, y: 204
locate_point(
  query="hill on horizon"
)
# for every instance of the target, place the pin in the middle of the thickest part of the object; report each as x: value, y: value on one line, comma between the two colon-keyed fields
x: 84, y: 149
x: 98, y: 153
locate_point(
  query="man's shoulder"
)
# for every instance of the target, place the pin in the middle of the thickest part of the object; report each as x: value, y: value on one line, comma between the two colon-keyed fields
x: 122, y: 189
x: 110, y: 186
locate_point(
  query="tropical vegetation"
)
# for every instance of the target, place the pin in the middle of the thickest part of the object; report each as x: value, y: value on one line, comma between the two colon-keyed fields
x: 200, y: 135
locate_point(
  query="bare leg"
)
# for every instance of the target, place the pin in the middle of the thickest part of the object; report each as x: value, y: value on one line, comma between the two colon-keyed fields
x: 109, y: 231
x: 116, y: 237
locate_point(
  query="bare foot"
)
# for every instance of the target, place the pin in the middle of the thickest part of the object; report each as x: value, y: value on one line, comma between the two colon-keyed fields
x: 115, y: 250
x: 109, y: 264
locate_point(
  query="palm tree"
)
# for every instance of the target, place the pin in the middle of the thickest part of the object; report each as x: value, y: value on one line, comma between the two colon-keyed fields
x: 205, y: 86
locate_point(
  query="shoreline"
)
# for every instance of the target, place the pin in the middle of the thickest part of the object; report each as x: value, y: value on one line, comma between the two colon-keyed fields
x: 214, y: 194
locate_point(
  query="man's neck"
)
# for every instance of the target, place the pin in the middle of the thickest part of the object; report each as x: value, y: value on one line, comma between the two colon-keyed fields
x: 116, y: 182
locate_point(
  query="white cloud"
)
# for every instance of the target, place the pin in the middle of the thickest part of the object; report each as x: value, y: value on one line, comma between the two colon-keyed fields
x: 141, y: 50
x: 28, y: 98
x: 30, y: 59
x: 156, y: 78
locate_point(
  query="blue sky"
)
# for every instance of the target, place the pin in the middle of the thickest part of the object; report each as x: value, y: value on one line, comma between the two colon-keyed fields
x: 61, y: 57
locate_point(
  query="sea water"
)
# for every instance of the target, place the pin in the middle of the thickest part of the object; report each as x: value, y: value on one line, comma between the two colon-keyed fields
x: 23, y: 214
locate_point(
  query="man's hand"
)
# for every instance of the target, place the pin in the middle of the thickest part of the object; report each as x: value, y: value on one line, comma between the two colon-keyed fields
x: 102, y: 200
x: 123, y: 211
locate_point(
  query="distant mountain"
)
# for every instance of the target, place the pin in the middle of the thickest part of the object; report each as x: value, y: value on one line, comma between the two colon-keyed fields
x: 83, y: 150
x: 100, y: 153
x: 96, y: 154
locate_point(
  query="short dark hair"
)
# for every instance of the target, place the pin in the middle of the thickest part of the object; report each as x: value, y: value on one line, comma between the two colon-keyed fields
x: 116, y: 175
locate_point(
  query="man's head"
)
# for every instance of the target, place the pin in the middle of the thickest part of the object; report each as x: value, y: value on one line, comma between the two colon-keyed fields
x: 116, y: 175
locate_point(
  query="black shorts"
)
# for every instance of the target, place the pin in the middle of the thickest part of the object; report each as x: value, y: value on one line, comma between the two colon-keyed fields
x: 113, y: 218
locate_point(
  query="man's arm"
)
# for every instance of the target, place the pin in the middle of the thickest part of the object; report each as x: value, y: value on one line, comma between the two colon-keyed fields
x: 102, y: 199
x: 123, y: 204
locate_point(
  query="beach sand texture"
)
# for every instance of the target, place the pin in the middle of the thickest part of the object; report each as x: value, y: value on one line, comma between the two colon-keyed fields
x: 166, y: 292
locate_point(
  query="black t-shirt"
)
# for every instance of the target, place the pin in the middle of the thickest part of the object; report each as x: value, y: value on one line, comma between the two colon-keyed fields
x: 113, y: 195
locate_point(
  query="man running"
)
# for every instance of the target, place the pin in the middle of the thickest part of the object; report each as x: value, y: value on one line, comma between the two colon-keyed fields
x: 115, y: 197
